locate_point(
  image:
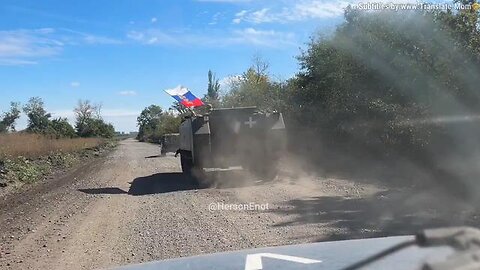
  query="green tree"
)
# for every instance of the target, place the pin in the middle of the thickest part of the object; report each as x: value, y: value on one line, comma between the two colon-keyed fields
x: 89, y: 123
x: 169, y: 123
x: 148, y: 121
x: 213, y: 90
x: 84, y: 112
x: 153, y: 123
x: 38, y: 118
x: 62, y: 128
x: 8, y: 119
x: 255, y: 88
x: 149, y: 116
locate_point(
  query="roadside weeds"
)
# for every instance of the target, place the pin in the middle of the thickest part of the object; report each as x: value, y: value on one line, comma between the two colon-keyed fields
x: 17, y: 171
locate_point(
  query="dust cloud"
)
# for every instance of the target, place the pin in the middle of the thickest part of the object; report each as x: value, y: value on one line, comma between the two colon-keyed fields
x: 394, y: 191
x: 437, y: 186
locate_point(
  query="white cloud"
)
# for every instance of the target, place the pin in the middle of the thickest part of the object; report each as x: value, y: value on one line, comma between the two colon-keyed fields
x: 16, y: 62
x: 317, y: 9
x: 239, y: 16
x: 75, y: 84
x: 262, y: 15
x: 267, y: 38
x: 27, y: 46
x: 135, y: 35
x: 301, y: 10
x: 228, y: 81
x: 22, y: 46
x: 215, y: 18
x: 298, y: 11
x: 241, y: 13
x: 92, y: 39
x: 153, y: 20
x: 246, y: 36
x: 152, y: 36
x: 73, y: 37
x: 127, y: 93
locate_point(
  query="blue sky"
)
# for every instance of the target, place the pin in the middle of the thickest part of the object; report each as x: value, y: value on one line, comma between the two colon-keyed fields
x: 124, y: 53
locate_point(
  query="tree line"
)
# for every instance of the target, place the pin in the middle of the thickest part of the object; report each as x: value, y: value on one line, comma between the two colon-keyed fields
x: 88, y: 120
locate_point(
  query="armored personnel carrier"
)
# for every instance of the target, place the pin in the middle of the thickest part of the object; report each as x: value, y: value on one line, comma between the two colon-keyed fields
x: 224, y: 138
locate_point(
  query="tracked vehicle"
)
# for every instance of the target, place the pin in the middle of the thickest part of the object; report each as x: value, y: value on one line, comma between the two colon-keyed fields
x: 224, y: 138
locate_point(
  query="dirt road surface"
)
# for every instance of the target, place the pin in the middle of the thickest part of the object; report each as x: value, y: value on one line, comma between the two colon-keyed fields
x: 133, y: 206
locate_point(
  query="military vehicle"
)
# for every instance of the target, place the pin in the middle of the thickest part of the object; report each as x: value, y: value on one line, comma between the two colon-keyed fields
x: 169, y: 143
x: 229, y: 137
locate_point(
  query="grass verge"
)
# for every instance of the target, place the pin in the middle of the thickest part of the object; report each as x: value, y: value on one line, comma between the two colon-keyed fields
x: 28, y: 158
x: 35, y: 146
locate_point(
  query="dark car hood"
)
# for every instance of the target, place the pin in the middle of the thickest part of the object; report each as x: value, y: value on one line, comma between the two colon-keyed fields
x: 323, y: 255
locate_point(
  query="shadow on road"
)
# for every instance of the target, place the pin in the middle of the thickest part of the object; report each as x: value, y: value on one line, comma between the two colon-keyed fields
x: 107, y: 190
x: 383, y: 214
x: 155, y: 156
x: 153, y: 184
x: 161, y: 183
x: 176, y: 181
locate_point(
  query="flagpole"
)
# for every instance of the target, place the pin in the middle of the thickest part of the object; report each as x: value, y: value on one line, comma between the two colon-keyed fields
x: 191, y: 110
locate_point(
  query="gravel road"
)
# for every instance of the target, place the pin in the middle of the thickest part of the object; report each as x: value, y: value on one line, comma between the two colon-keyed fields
x: 133, y: 206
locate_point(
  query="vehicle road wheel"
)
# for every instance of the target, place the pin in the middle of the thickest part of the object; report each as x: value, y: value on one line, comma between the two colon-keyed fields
x: 186, y: 162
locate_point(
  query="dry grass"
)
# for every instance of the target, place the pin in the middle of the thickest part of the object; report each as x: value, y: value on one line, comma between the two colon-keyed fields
x: 33, y: 145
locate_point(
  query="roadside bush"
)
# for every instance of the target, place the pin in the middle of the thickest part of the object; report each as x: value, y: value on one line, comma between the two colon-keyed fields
x: 61, y: 159
x: 40, y: 162
x: 93, y: 127
x: 25, y: 170
x: 60, y: 128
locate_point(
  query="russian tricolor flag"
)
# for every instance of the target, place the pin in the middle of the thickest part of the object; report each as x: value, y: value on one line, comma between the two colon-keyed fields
x: 184, y: 96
